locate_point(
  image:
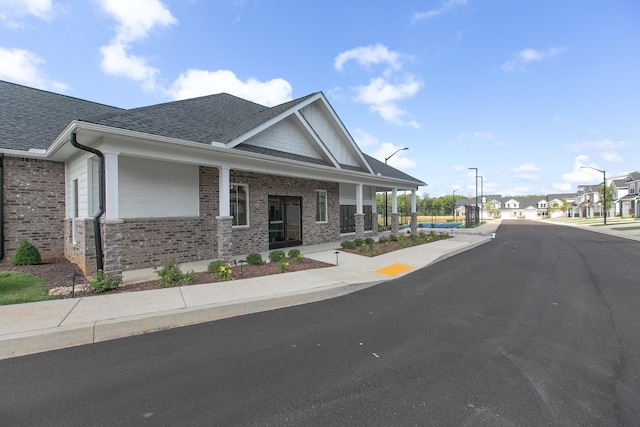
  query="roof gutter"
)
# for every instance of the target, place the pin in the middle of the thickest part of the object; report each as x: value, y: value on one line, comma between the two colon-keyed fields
x: 101, y: 192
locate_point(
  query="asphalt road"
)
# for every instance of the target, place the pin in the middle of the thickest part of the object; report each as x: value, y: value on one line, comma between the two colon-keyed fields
x: 537, y: 327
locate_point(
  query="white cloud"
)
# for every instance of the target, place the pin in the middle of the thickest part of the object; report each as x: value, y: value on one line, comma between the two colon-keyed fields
x: 134, y: 21
x: 578, y: 175
x: 528, y: 56
x: 400, y: 160
x: 612, y: 157
x: 194, y: 83
x: 364, y: 139
x: 483, y: 135
x: 526, y: 171
x: 25, y: 67
x: 382, y: 97
x: 13, y: 11
x: 447, y: 5
x: 368, y: 55
x: 604, y: 144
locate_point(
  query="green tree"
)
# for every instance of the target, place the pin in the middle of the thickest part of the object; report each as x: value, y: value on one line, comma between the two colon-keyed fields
x: 609, y: 199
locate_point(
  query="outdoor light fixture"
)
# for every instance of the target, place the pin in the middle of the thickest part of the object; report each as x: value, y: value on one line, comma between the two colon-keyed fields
x: 73, y: 276
x: 337, y: 253
x: 604, y: 190
x: 385, y: 193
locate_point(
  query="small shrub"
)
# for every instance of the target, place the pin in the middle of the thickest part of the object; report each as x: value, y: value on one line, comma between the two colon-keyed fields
x: 393, y: 238
x: 214, y: 266
x: 282, y: 266
x: 276, y: 256
x: 102, y: 283
x: 170, y: 274
x: 26, y: 254
x: 420, y: 225
x: 348, y: 244
x: 254, y: 259
x: 358, y: 241
x: 383, y: 239
x: 293, y: 253
x: 224, y: 272
x: 369, y: 241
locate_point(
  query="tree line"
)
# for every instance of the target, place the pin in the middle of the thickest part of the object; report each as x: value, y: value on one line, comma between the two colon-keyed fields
x: 443, y: 205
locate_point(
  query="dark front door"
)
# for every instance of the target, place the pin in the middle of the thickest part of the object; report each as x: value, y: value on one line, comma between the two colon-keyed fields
x: 285, y: 221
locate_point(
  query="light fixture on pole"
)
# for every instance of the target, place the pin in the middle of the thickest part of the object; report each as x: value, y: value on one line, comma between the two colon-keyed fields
x: 476, y: 206
x: 454, y: 202
x: 385, y: 193
x: 604, y: 190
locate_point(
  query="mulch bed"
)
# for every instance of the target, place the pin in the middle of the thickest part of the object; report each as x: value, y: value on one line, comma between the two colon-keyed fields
x: 378, y: 248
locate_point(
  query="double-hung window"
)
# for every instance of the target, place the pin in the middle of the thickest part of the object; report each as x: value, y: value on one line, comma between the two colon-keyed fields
x: 239, y: 199
x: 321, y: 205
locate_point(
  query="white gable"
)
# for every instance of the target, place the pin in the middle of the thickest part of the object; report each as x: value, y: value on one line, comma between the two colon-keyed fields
x: 284, y: 136
x: 328, y: 135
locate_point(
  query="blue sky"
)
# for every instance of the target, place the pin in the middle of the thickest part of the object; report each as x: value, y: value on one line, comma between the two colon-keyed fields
x: 526, y: 91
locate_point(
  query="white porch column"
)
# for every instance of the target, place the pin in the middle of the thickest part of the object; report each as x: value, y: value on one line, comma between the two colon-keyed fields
x: 394, y: 201
x: 224, y: 192
x: 414, y: 207
x: 111, y: 186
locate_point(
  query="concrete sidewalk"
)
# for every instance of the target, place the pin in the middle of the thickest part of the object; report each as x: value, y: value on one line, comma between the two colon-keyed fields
x: 48, y: 325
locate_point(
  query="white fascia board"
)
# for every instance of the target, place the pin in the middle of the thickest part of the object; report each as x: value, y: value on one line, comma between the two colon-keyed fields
x: 173, y: 149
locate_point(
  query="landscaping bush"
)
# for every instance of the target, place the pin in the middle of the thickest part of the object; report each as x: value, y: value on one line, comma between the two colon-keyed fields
x: 393, y: 238
x: 358, y: 241
x: 293, y: 253
x: 254, y: 259
x: 214, y: 266
x: 348, y: 244
x: 383, y: 239
x: 26, y: 254
x: 369, y: 241
x: 276, y: 256
x: 102, y: 283
x: 170, y: 274
x: 282, y: 266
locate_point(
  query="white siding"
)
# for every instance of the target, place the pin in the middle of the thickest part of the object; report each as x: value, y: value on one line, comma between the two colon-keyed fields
x: 328, y: 135
x: 284, y: 136
x: 77, y: 169
x: 152, y: 188
x: 348, y: 195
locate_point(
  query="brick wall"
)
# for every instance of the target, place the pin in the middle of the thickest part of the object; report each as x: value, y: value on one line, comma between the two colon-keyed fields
x: 34, y: 205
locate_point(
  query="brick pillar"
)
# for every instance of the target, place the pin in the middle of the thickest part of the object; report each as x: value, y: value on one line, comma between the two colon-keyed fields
x: 414, y: 223
x: 359, y: 225
x: 394, y: 224
x: 374, y: 226
x: 112, y: 247
x: 225, y: 237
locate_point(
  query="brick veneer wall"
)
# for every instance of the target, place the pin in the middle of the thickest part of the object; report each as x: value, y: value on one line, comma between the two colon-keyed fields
x: 256, y: 237
x: 34, y: 205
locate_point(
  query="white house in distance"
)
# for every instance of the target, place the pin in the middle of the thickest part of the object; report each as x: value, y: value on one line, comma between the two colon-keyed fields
x: 202, y: 178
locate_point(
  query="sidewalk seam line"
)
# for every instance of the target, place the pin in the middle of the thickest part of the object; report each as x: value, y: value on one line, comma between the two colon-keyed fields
x: 69, y: 312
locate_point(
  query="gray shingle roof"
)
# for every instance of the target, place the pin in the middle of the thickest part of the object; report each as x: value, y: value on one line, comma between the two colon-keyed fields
x: 33, y: 118
x: 213, y: 118
x: 386, y: 170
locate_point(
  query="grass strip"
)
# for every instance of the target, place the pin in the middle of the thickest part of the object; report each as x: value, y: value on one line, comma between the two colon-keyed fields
x: 18, y: 288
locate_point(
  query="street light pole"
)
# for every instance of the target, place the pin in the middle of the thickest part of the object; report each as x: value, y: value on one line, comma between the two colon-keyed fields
x: 604, y: 190
x: 476, y: 206
x: 385, y: 193
x: 481, y: 195
x: 454, y: 202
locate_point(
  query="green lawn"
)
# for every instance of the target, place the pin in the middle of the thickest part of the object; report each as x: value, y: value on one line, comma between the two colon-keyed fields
x: 18, y: 288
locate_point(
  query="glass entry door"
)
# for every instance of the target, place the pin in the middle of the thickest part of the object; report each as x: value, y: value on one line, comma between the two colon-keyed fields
x: 285, y: 221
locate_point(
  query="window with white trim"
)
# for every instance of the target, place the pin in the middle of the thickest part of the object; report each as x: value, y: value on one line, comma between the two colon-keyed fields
x: 239, y: 203
x: 321, y: 206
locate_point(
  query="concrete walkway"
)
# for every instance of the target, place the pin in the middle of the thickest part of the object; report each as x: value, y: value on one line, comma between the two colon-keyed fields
x: 48, y: 325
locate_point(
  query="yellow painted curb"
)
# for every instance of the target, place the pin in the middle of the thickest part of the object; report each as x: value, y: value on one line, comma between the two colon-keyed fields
x: 393, y: 269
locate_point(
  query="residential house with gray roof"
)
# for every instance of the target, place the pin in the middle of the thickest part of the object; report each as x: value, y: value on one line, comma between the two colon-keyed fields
x: 197, y: 179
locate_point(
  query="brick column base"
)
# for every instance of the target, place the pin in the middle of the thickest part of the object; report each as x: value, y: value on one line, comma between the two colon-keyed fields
x: 394, y: 224
x: 112, y: 247
x: 359, y: 225
x: 414, y: 223
x: 225, y: 237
